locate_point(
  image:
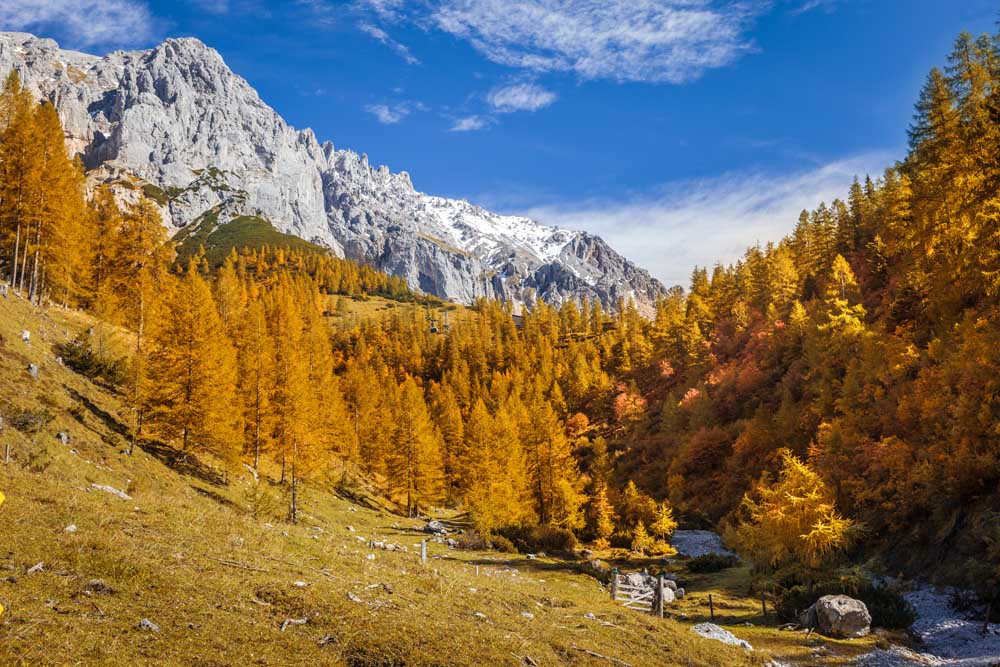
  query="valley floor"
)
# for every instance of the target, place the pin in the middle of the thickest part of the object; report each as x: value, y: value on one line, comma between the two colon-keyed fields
x: 191, y: 577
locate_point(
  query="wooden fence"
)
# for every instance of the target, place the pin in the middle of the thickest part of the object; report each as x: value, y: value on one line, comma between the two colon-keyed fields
x: 642, y: 598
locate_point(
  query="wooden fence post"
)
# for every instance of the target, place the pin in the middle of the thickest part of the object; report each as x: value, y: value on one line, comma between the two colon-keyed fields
x: 763, y: 605
x: 711, y: 608
x: 423, y: 551
x: 614, y: 583
x: 659, y: 594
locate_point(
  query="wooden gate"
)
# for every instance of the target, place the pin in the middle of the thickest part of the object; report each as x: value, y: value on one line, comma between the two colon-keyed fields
x: 642, y: 598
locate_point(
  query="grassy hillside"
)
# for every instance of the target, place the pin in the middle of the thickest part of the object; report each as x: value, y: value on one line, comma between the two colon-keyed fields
x: 186, y: 553
x: 242, y: 232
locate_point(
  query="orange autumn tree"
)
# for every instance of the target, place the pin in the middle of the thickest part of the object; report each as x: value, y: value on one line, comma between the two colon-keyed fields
x: 190, y: 383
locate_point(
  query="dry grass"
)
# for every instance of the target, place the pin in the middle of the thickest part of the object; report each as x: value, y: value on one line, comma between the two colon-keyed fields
x: 186, y: 553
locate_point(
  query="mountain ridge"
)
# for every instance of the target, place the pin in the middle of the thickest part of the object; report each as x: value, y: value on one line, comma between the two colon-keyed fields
x: 177, y: 118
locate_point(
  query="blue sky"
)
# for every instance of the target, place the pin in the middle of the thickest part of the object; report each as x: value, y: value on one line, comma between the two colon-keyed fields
x: 680, y: 130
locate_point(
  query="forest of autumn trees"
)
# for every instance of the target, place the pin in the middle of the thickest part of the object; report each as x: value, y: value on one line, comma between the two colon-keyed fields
x: 860, y: 355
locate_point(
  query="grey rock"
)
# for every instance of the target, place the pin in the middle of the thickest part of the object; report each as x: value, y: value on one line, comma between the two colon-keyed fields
x: 670, y: 583
x: 435, y: 527
x: 33, y: 370
x: 112, y: 490
x: 177, y: 118
x: 146, y: 624
x: 838, y: 616
x: 714, y: 632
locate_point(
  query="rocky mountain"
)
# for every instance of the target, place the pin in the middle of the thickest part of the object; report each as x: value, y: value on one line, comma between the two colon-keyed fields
x: 176, y: 122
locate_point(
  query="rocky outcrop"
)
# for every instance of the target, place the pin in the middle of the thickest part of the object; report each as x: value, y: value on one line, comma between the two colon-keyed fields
x: 838, y: 616
x: 176, y: 122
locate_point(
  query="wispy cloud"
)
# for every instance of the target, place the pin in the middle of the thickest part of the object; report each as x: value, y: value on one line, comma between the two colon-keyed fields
x: 669, y: 41
x: 81, y: 23
x: 388, y: 115
x: 809, y: 5
x: 470, y: 123
x: 388, y: 10
x: 381, y: 35
x: 707, y: 221
x: 520, y: 97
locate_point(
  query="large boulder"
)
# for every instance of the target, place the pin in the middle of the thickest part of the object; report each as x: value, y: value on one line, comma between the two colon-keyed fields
x: 435, y: 527
x: 838, y: 616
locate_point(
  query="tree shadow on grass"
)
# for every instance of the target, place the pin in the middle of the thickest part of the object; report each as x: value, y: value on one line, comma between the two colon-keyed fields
x: 184, y: 464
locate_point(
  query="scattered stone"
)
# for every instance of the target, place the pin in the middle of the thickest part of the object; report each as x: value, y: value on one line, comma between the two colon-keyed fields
x: 527, y: 614
x: 714, y: 632
x: 97, y: 587
x: 71, y: 528
x: 350, y: 529
x: 33, y: 370
x: 112, y: 490
x: 679, y: 593
x: 326, y: 639
x: 838, y: 616
x: 37, y: 567
x: 26, y: 336
x: 300, y: 584
x: 694, y: 543
x: 531, y: 556
x: 452, y: 544
x: 670, y: 583
x: 586, y: 554
x: 478, y: 614
x: 435, y: 527
x: 353, y: 598
x: 293, y: 621
x: 370, y: 557
x: 146, y: 624
x: 590, y: 616
x: 63, y: 437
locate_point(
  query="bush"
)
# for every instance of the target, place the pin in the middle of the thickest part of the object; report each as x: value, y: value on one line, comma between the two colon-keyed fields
x: 711, y: 563
x: 502, y: 544
x: 78, y: 355
x: 888, y: 608
x: 545, y: 537
x: 30, y: 422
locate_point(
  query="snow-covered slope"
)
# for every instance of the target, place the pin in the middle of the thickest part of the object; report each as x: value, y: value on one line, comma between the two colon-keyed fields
x: 177, y: 118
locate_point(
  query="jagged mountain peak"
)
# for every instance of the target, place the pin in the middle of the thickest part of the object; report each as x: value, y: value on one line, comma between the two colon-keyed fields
x: 172, y: 113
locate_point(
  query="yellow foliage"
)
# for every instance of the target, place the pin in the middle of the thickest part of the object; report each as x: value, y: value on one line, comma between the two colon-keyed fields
x: 792, y: 522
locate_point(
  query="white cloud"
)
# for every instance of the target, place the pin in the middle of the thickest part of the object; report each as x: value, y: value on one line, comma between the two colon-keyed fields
x: 470, y: 124
x: 381, y: 35
x: 81, y: 23
x: 385, y: 9
x: 669, y: 41
x: 702, y: 222
x: 520, y: 97
x: 388, y: 115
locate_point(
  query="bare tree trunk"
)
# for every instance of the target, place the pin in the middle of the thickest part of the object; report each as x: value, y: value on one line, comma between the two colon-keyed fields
x: 17, y: 248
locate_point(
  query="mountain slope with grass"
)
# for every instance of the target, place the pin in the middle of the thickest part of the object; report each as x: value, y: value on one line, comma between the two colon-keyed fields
x: 180, y: 547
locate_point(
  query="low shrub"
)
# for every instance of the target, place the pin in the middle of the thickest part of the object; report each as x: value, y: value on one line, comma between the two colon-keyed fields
x: 502, y: 544
x: 887, y: 606
x: 78, y: 355
x: 711, y: 563
x: 532, y: 539
x: 30, y: 422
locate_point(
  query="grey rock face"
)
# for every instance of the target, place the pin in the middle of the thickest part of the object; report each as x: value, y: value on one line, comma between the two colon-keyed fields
x: 177, y: 118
